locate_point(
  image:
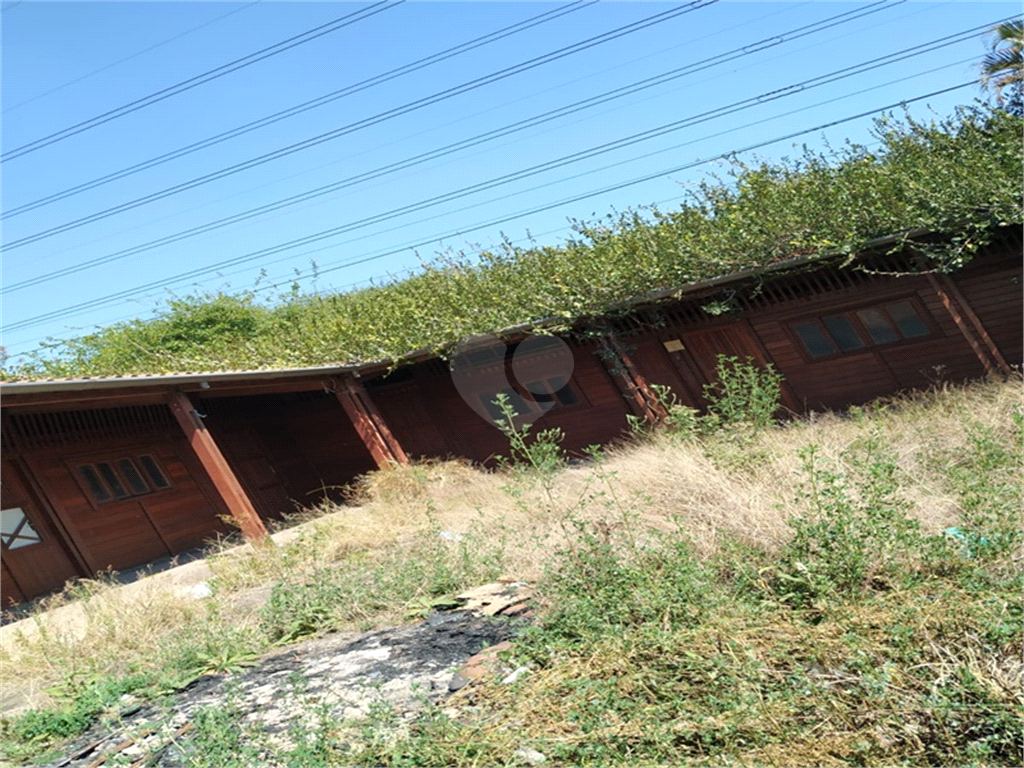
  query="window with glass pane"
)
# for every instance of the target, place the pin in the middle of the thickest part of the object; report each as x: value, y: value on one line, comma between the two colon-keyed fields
x: 540, y: 393
x: 131, y: 474
x: 92, y: 481
x: 814, y: 338
x: 15, y: 529
x: 560, y: 386
x: 519, y: 405
x: 907, y: 320
x: 488, y: 401
x: 843, y: 333
x: 113, y: 481
x: 878, y: 325
x: 153, y: 470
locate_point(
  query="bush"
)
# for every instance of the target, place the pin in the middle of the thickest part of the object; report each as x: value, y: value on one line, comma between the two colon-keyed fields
x: 856, y: 534
x: 605, y: 581
x: 744, y: 393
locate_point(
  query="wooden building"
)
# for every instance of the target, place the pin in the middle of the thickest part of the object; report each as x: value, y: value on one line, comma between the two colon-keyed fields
x: 117, y: 472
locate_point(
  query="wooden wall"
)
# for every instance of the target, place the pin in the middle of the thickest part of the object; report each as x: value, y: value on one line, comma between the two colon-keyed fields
x: 292, y: 449
x: 994, y: 288
x: 430, y: 417
x: 761, y: 327
x: 82, y: 533
x: 288, y: 450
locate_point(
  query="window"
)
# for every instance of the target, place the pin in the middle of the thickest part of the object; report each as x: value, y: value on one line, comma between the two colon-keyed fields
x: 862, y: 328
x: 15, y: 529
x: 131, y: 474
x: 515, y: 401
x: 113, y: 481
x: 93, y: 483
x: 154, y: 472
x: 121, y: 478
x: 556, y: 390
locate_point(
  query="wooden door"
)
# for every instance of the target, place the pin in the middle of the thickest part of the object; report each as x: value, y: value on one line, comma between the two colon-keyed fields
x: 35, y: 558
x: 183, y: 512
x: 108, y: 518
x: 697, y: 361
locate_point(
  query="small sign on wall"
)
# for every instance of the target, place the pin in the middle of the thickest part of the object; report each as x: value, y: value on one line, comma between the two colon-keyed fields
x: 675, y: 345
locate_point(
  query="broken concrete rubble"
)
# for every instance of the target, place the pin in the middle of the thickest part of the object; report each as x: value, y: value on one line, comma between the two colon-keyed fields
x: 343, y: 675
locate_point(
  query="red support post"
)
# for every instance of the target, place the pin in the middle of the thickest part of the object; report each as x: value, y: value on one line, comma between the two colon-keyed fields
x: 370, y: 425
x: 217, y: 468
x: 631, y: 382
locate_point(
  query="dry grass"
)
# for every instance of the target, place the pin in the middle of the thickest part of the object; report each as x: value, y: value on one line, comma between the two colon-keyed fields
x: 721, y: 486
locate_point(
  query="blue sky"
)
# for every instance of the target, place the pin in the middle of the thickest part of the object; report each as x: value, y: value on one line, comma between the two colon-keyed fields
x: 64, y: 63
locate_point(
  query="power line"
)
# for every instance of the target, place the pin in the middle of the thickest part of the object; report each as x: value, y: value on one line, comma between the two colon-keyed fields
x: 56, y: 314
x: 597, y: 150
x: 640, y: 85
x: 367, y: 122
x: 631, y: 160
x: 652, y: 176
x: 173, y: 90
x: 436, y: 239
x: 627, y: 161
x: 135, y: 55
x: 304, y: 107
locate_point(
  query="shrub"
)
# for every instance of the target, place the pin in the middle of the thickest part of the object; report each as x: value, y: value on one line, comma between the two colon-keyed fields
x: 605, y: 580
x: 856, y: 534
x: 744, y: 393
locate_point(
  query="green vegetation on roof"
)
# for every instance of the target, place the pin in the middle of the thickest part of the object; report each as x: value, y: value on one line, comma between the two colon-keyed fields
x: 960, y: 177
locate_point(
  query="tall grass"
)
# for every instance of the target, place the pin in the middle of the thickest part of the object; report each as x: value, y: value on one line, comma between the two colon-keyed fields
x: 786, y: 594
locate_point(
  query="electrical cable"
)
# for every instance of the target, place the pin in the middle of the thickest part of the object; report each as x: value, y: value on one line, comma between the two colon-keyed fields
x: 627, y: 161
x: 367, y: 122
x: 616, y: 93
x: 677, y: 125
x: 303, y: 107
x: 186, y: 85
x: 135, y: 55
x: 56, y: 314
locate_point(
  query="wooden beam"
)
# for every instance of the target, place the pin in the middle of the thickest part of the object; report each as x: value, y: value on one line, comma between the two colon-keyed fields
x: 950, y: 291
x: 642, y: 399
x: 954, y: 308
x: 370, y: 425
x: 216, y: 466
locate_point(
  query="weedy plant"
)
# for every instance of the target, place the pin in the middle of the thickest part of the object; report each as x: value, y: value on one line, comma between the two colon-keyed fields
x: 855, y: 533
x: 540, y: 456
x: 743, y: 398
x: 744, y: 393
x: 680, y: 620
x: 430, y: 565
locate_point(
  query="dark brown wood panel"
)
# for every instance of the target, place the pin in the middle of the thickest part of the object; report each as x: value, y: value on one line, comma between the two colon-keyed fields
x: 601, y: 414
x: 126, y: 533
x: 288, y: 451
x: 184, y: 515
x: 998, y: 301
x: 39, y: 568
x: 10, y: 592
x: 328, y: 444
x: 114, y: 535
x: 407, y: 412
